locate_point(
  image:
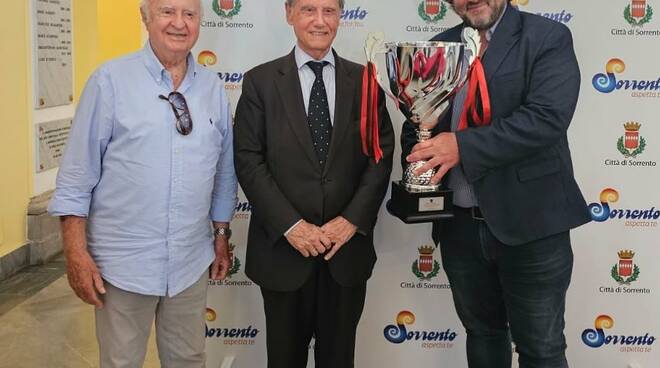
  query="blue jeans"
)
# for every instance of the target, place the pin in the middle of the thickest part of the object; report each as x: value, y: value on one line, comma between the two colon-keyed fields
x: 502, y: 292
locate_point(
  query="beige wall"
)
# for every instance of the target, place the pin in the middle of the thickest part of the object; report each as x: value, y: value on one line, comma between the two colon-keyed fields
x: 15, y: 166
x: 103, y: 29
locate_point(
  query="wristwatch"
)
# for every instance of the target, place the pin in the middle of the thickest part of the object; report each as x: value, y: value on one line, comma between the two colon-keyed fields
x: 222, y: 231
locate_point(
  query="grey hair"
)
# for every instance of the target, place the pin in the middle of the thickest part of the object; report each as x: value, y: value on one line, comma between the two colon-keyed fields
x: 293, y: 2
x: 144, y: 10
x: 146, y: 15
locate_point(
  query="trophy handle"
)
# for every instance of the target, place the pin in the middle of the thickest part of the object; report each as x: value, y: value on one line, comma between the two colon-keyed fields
x: 472, y: 40
x: 374, y: 46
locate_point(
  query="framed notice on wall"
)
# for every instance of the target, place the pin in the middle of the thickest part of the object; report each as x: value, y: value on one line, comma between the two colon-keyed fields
x: 53, y: 53
x: 51, y: 141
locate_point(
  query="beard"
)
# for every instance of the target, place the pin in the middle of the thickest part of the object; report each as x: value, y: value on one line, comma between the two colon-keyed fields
x: 482, y: 24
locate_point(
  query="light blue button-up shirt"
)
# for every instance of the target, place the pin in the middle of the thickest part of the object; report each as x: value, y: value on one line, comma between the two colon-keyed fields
x: 149, y: 193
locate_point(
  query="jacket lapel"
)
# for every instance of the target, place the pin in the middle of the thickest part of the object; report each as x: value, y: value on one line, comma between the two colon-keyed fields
x: 344, y: 95
x: 292, y: 100
x: 505, y: 36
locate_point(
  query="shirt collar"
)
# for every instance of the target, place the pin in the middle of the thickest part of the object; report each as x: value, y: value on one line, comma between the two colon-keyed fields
x: 302, y: 57
x: 156, y: 68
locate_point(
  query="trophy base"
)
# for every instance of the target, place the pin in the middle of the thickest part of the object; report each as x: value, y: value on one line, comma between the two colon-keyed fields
x: 412, y: 188
x: 419, y: 207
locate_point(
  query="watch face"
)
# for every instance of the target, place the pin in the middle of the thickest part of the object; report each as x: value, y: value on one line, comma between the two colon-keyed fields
x: 223, y: 231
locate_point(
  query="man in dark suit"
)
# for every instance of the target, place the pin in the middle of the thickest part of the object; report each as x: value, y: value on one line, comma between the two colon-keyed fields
x: 315, y: 194
x: 507, y: 252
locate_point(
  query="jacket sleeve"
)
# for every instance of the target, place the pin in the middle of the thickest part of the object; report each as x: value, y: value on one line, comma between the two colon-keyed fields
x: 362, y: 210
x: 252, y: 169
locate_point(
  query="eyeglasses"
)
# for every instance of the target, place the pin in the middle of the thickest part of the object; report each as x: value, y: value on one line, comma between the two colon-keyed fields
x: 184, y: 122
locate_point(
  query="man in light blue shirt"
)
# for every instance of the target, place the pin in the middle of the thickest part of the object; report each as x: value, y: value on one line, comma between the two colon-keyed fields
x: 148, y: 167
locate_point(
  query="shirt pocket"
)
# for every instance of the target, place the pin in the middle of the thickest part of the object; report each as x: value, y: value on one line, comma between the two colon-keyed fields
x: 210, y: 129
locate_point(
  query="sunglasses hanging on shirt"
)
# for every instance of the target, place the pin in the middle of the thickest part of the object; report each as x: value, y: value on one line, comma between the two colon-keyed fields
x: 184, y: 122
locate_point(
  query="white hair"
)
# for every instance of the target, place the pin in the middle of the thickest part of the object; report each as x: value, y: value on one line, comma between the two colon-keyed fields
x: 146, y: 14
x: 144, y: 10
x: 339, y: 2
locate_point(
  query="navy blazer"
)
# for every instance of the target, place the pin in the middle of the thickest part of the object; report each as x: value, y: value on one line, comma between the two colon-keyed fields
x: 520, y: 165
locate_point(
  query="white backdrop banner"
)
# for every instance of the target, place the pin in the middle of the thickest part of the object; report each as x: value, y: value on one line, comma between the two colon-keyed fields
x: 610, y: 319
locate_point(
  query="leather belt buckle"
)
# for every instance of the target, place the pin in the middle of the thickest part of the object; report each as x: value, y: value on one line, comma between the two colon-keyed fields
x: 476, y: 213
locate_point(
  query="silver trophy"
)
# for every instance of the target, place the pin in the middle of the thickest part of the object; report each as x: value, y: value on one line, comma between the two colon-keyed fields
x: 421, y: 78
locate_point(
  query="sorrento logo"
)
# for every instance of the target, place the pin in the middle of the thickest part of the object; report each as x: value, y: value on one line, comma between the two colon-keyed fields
x: 563, y: 16
x: 596, y: 337
x: 425, y: 267
x: 631, y: 143
x: 638, y: 13
x: 625, y: 271
x: 353, y: 17
x: 235, y: 263
x: 234, y: 267
x: 635, y: 217
x: 210, y: 314
x: 399, y: 333
x: 242, y: 210
x: 230, y: 336
x: 607, y: 82
x: 432, y: 11
x: 226, y: 8
x: 207, y: 58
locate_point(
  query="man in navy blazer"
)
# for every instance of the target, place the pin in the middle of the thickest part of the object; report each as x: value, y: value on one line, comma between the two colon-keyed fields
x: 507, y: 251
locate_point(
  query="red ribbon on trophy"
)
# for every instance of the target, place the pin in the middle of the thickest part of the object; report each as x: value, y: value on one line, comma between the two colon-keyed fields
x: 477, y: 87
x: 369, y: 114
x: 432, y: 65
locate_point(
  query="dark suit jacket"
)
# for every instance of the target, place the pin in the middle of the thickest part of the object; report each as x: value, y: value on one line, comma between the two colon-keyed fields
x: 520, y: 165
x: 281, y: 177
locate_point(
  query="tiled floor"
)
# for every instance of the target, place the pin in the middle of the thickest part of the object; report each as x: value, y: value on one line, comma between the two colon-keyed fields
x: 28, y: 282
x: 44, y: 325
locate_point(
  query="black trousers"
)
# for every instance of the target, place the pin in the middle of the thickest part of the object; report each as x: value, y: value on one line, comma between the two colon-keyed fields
x: 502, y: 291
x: 320, y: 308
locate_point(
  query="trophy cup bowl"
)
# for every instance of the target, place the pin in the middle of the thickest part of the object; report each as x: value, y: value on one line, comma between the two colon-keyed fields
x: 421, y: 78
